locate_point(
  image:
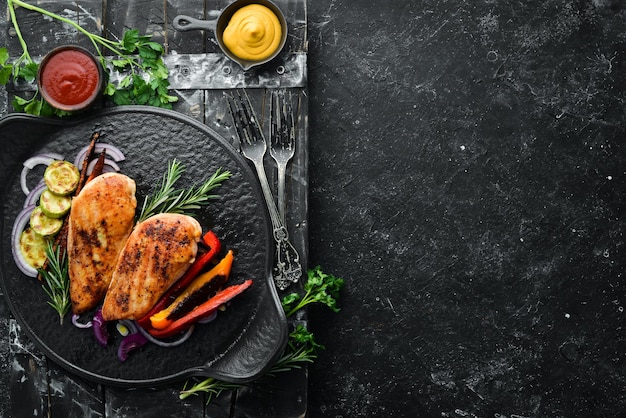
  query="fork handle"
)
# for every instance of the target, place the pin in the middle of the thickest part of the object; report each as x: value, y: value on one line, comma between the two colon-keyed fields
x: 269, y: 199
x: 282, y: 204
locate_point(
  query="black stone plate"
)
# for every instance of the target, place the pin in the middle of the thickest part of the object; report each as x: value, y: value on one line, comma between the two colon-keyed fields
x: 244, y: 340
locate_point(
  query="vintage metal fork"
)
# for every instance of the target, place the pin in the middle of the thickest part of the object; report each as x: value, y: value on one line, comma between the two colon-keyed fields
x: 253, y: 146
x: 283, y: 141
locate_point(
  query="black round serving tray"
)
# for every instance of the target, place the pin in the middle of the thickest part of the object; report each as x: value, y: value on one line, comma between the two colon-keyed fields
x: 245, y: 339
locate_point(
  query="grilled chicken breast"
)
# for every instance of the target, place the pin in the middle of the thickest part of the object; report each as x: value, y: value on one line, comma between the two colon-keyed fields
x: 157, y: 253
x: 101, y: 219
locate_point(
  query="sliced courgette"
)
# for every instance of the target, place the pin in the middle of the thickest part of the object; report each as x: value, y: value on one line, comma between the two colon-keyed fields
x: 54, y: 205
x: 33, y: 248
x: 44, y: 225
x: 61, y: 177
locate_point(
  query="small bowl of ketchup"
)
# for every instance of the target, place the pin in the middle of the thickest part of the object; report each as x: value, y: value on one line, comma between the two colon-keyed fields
x: 70, y: 78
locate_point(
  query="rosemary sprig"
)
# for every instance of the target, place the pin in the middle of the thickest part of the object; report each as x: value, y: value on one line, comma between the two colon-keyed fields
x: 168, y: 199
x: 56, y: 280
x: 210, y: 386
x: 301, y: 348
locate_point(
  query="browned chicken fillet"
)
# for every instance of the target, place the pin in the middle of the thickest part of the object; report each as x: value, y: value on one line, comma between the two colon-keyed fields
x: 101, y: 219
x: 157, y: 253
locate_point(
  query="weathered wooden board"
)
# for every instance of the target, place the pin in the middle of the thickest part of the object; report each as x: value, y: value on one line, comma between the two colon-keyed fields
x: 200, y: 76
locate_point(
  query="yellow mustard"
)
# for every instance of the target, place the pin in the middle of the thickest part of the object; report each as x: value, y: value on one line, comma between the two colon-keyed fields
x: 253, y: 33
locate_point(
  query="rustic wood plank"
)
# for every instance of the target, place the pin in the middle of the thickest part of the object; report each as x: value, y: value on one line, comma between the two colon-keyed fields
x: 187, y: 42
x: 28, y: 387
x: 70, y: 396
x: 286, y: 394
x: 147, y: 16
x: 283, y: 395
x: 295, y: 12
x: 5, y: 354
x: 160, y: 402
x: 43, y: 33
x: 216, y: 71
x: 190, y: 103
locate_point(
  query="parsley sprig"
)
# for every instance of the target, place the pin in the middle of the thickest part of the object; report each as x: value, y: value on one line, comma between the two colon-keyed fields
x: 168, y: 199
x: 319, y: 287
x: 301, y: 345
x: 56, y: 280
x: 138, y: 61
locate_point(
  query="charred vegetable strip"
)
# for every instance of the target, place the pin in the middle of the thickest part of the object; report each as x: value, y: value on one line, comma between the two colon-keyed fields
x: 215, y: 246
x: 201, y: 311
x: 199, y: 290
x: 85, y: 163
x: 99, y: 167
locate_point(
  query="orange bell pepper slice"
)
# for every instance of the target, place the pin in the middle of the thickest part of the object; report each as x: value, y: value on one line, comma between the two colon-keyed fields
x: 198, y: 291
x: 201, y: 311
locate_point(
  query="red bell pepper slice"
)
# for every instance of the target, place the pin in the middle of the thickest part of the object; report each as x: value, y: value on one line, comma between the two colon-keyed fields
x: 201, y: 311
x: 215, y: 246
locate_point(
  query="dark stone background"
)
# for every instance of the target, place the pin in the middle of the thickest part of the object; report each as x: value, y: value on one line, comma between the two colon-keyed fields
x: 468, y: 180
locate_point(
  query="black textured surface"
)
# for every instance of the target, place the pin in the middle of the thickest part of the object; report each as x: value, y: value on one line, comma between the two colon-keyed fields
x: 245, y: 339
x: 467, y: 173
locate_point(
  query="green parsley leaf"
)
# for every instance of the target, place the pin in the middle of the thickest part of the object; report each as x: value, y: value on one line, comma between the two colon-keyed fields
x: 29, y: 71
x: 5, y: 74
x: 319, y: 288
x: 129, y: 42
x: 4, y: 55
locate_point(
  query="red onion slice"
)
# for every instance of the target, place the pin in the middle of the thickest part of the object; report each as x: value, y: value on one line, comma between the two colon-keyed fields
x: 40, y: 159
x: 34, y: 194
x: 162, y: 343
x: 111, y: 150
x: 100, y: 329
x: 78, y: 324
x: 109, y: 166
x: 130, y: 343
x: 45, y: 159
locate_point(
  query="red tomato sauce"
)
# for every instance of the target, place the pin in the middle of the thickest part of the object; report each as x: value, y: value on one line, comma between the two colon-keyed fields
x: 70, y: 78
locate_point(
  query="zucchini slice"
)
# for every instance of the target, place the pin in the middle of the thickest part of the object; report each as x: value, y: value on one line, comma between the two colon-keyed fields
x: 61, y: 177
x: 43, y: 225
x: 54, y: 205
x: 33, y: 248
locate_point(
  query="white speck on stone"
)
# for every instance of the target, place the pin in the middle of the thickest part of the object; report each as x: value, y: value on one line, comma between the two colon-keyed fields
x: 462, y: 147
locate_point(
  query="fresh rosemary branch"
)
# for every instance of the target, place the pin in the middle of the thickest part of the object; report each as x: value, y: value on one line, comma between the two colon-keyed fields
x: 56, y: 280
x: 210, y: 386
x: 146, y: 82
x: 168, y: 199
x: 301, y: 346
